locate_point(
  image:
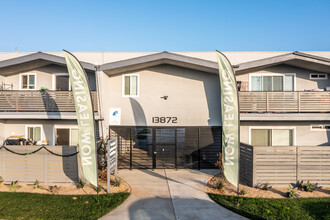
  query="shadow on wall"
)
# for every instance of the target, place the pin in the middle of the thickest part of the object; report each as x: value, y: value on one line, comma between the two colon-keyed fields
x: 326, y: 143
x: 70, y: 164
x: 49, y: 104
x: 139, y: 116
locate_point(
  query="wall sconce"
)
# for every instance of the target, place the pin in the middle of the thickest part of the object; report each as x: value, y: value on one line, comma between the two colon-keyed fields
x: 164, y: 97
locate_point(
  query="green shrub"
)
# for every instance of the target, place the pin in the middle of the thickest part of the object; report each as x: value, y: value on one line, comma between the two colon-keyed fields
x: 80, y: 184
x: 1, y: 180
x: 98, y: 188
x: 53, y: 189
x: 36, y: 185
x: 219, y: 184
x: 291, y: 193
x: 117, y: 182
x: 265, y: 186
x: 242, y: 192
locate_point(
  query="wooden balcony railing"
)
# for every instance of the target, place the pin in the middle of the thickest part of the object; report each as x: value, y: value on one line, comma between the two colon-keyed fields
x: 299, y: 102
x: 39, y: 101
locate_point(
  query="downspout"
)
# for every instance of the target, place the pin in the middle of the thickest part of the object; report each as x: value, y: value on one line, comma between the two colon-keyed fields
x: 99, y: 108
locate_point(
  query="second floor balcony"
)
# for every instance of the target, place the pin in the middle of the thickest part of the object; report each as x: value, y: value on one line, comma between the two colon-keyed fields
x: 40, y: 101
x: 285, y: 102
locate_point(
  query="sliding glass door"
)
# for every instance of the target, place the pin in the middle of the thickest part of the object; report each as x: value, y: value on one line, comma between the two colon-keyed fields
x: 272, y: 83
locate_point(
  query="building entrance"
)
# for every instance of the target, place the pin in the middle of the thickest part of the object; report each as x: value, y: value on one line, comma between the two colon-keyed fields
x: 167, y: 147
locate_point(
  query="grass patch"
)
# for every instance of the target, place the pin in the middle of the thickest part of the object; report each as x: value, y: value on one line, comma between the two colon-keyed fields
x: 46, y: 206
x: 258, y: 208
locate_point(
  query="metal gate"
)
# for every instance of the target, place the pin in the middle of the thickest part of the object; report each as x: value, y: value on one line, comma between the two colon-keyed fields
x: 167, y: 147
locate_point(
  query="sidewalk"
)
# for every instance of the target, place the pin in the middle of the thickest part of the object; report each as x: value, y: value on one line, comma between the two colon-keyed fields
x: 169, y: 195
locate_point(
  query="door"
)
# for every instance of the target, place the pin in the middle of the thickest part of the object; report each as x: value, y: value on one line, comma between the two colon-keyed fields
x: 165, y: 146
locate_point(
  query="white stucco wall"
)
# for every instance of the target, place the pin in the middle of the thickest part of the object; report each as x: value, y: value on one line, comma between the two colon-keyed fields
x: 192, y: 97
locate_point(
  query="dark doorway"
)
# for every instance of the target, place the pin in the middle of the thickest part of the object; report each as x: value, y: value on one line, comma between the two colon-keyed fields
x: 62, y: 83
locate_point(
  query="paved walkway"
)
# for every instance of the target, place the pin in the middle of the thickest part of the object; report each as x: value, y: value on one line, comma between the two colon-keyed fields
x: 169, y: 195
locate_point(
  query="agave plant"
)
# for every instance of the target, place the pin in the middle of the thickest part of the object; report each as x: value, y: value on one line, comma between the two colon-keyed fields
x: 36, y: 184
x: 292, y: 193
x: 308, y: 187
x: 53, y: 189
x: 14, y: 185
x: 80, y: 184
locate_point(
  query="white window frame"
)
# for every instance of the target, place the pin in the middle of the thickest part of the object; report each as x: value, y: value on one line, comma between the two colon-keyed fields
x: 63, y: 127
x: 274, y: 128
x: 272, y: 74
x: 310, y: 76
x: 34, y: 126
x: 21, y: 82
x: 138, y: 85
x: 319, y: 129
x: 54, y: 80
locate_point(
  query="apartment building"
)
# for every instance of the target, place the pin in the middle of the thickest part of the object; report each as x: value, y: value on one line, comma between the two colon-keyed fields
x: 165, y: 107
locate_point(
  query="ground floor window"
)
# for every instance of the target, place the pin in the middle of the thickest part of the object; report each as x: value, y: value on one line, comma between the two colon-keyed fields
x: 33, y: 132
x: 66, y: 136
x: 272, y: 137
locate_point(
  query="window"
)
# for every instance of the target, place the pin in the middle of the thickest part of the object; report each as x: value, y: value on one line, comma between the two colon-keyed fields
x: 267, y: 82
x: 131, y: 85
x: 318, y: 76
x: 66, y: 136
x: 271, y: 137
x: 28, y: 81
x: 33, y: 132
x: 320, y: 127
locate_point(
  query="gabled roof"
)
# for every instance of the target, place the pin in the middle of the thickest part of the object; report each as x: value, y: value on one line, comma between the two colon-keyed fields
x: 33, y: 61
x: 158, y: 59
x: 297, y: 59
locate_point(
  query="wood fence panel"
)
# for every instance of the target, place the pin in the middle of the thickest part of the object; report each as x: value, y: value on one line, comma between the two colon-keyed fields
x: 42, y: 166
x: 281, y: 166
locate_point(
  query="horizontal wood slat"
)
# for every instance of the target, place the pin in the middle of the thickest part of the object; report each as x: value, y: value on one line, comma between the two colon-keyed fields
x: 38, y: 101
x: 284, y: 101
x: 284, y: 165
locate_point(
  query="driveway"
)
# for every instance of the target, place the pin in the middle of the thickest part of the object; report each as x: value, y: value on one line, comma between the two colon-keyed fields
x: 169, y: 195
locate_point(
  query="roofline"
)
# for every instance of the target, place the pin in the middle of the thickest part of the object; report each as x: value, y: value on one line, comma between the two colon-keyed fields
x: 158, y: 59
x: 41, y: 56
x: 282, y: 59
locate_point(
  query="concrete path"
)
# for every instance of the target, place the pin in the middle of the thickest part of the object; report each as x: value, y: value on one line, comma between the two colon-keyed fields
x: 169, y: 195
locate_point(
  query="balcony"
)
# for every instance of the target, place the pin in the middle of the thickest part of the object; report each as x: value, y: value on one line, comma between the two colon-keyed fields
x: 284, y: 102
x: 38, y: 101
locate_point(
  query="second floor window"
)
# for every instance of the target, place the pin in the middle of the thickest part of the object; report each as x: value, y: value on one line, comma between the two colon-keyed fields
x: 131, y: 85
x: 272, y: 83
x: 28, y: 81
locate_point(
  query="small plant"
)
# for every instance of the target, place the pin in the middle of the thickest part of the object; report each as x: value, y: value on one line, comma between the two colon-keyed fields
x: 265, y: 186
x: 292, y: 193
x: 53, y: 189
x: 242, y: 192
x: 117, y: 182
x: 219, y: 184
x: 219, y: 161
x: 36, y: 185
x: 80, y: 184
x: 98, y: 188
x: 14, y: 185
x: 308, y: 187
x: 1, y: 180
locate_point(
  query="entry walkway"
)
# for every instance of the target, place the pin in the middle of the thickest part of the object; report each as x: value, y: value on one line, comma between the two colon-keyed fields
x: 169, y: 195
